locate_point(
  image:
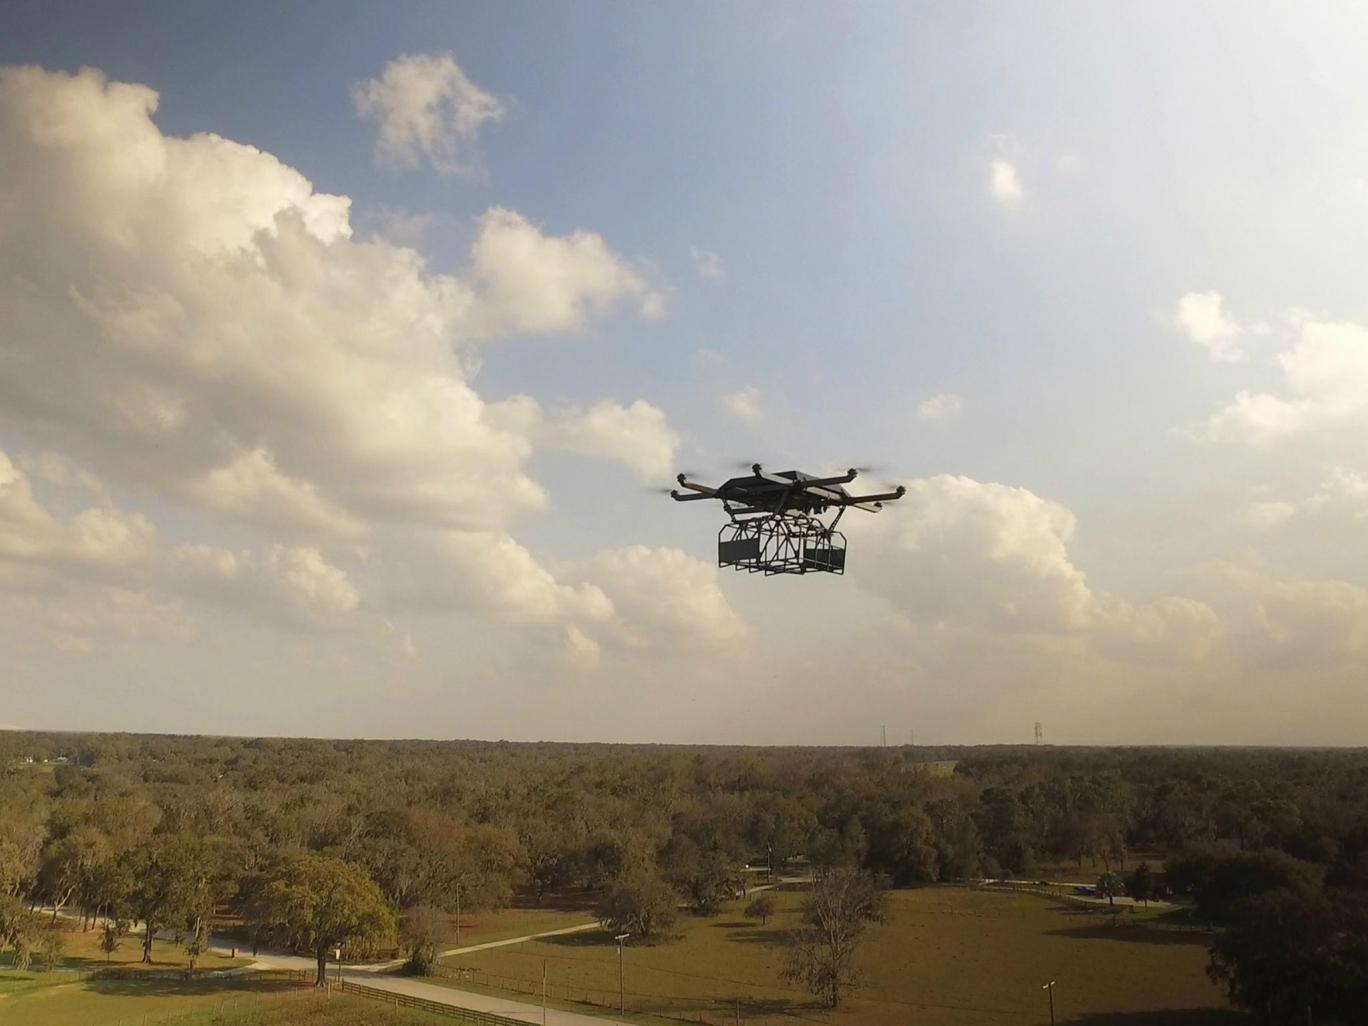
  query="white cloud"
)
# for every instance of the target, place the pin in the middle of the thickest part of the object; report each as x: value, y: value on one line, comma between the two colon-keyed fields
x: 1201, y: 317
x: 488, y: 574
x: 1325, y: 405
x: 707, y: 263
x: 944, y: 406
x: 188, y: 317
x: 744, y: 405
x: 294, y: 582
x: 96, y: 537
x: 427, y: 110
x: 528, y: 282
x: 1004, y: 184
x: 1342, y: 490
x: 637, y: 436
x: 1264, y: 516
x: 581, y: 651
x: 665, y: 597
x: 994, y: 559
x: 252, y: 487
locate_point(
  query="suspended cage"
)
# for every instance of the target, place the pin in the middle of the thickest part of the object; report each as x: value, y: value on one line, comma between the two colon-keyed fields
x: 781, y: 545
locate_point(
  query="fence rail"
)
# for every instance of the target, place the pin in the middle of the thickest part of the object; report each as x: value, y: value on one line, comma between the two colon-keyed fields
x: 468, y: 1015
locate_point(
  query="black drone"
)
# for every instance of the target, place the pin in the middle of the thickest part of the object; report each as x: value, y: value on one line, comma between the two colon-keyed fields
x: 775, y: 525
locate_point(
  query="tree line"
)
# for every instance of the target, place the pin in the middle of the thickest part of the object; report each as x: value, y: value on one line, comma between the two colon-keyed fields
x: 318, y: 844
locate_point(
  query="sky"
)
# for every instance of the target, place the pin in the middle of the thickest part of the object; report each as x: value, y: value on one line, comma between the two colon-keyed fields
x: 345, y: 351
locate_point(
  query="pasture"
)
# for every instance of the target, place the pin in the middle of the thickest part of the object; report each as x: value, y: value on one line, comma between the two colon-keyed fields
x: 944, y: 956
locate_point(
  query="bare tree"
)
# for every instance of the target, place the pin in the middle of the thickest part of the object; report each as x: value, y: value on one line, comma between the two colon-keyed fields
x: 821, y: 953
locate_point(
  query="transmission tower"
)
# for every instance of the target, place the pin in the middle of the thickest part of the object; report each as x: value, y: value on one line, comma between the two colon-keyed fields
x: 1039, y: 734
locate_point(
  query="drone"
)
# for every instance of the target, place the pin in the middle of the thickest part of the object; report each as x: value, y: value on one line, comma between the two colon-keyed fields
x: 774, y: 520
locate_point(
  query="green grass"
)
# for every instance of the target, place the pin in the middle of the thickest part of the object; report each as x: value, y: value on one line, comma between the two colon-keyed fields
x: 949, y: 956
x: 501, y: 924
x: 133, y: 1002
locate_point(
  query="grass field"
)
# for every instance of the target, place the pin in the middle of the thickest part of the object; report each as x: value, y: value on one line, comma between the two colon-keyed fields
x: 501, y: 924
x: 82, y: 952
x: 945, y: 956
x: 139, y: 1002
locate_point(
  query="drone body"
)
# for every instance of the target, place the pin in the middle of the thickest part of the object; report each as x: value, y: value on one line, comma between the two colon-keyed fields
x: 774, y: 520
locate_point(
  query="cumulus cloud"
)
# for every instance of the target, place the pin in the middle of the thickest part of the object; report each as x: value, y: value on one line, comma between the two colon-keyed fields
x: 188, y: 315
x: 943, y: 406
x: 1324, y: 402
x: 1342, y: 490
x: 189, y: 319
x: 426, y: 109
x: 252, y: 487
x: 529, y: 282
x: 1201, y: 317
x: 664, y: 596
x: 1266, y: 515
x: 581, y: 651
x: 1004, y: 184
x: 294, y: 581
x: 744, y: 405
x: 638, y: 436
x: 960, y: 553
x: 94, y: 537
x: 707, y: 263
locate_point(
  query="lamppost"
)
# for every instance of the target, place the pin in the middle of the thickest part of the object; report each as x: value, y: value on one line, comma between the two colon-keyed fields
x: 1050, y: 988
x: 622, y: 994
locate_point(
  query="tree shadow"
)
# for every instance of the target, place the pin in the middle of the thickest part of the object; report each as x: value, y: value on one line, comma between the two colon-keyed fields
x: 1132, y: 934
x: 757, y: 936
x: 1172, y: 1017
x: 181, y: 987
x: 731, y: 924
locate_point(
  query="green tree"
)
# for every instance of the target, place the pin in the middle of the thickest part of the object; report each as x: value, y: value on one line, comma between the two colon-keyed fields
x: 1109, y: 886
x: 111, y: 936
x: 421, y: 934
x: 821, y: 955
x: 641, y: 904
x: 51, y: 949
x: 1291, y: 955
x: 319, y: 903
x: 170, y: 875
x: 1140, y: 886
x: 761, y: 908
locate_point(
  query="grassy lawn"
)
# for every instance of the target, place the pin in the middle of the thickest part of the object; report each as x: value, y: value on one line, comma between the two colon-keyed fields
x: 946, y: 956
x: 135, y: 1002
x: 501, y: 924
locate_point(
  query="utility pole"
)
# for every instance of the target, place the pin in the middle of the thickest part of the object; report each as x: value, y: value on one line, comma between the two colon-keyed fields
x: 458, y: 915
x: 622, y: 994
x: 1050, y: 987
x: 883, y: 735
x: 543, y: 992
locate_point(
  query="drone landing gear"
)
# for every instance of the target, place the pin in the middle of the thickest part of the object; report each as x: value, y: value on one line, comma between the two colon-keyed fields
x: 781, y: 544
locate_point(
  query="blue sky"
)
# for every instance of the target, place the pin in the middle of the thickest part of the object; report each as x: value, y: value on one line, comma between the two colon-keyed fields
x: 786, y: 230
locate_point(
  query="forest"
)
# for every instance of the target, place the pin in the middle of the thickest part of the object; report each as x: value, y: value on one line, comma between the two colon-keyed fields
x: 314, y: 844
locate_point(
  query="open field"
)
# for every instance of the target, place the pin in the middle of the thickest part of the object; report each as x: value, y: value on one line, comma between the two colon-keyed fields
x: 68, y: 999
x: 945, y: 956
x: 501, y: 924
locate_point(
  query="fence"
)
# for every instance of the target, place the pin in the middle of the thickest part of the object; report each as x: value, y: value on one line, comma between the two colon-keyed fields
x: 397, y: 1000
